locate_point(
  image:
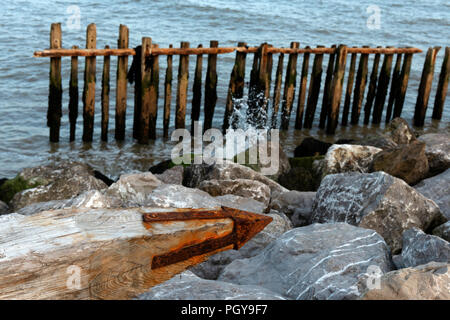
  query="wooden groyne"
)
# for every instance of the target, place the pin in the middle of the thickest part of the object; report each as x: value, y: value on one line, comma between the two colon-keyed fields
x: 385, y: 92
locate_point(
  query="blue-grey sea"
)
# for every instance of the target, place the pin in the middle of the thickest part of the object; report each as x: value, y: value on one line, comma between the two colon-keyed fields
x: 25, y: 27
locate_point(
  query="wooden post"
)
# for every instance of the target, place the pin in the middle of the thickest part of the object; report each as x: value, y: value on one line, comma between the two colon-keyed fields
x: 372, y: 88
x: 360, y: 87
x: 121, y: 85
x: 382, y: 88
x: 236, y: 86
x: 105, y: 96
x: 277, y: 90
x: 197, y: 90
x: 73, y: 95
x: 289, y: 87
x: 167, y: 94
x: 348, y: 92
x: 54, y: 112
x: 401, y: 93
x: 336, y: 88
x: 182, y: 89
x: 314, y: 89
x: 210, y: 87
x: 302, y: 91
x: 326, y: 91
x: 135, y: 74
x: 253, y: 76
x: 394, y: 87
x: 425, y: 87
x: 145, y: 92
x: 269, y: 71
x: 154, y: 94
x: 441, y: 92
x: 89, y: 85
x: 263, y: 79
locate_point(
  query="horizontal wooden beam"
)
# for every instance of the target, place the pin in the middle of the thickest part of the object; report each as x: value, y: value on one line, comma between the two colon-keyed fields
x: 54, y: 53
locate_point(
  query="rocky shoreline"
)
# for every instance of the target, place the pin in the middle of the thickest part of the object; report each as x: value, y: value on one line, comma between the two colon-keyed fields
x: 339, y: 212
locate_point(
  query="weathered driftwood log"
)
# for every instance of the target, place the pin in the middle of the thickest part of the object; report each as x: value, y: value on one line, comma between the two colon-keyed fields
x: 112, y: 253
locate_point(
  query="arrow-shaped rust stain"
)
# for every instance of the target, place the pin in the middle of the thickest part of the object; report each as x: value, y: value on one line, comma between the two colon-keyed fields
x: 246, y: 225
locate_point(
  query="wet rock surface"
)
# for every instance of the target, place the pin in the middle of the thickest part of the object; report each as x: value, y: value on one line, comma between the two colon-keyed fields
x: 376, y: 201
x: 443, y: 231
x: 296, y: 205
x: 437, y: 188
x: 320, y: 261
x: 437, y: 151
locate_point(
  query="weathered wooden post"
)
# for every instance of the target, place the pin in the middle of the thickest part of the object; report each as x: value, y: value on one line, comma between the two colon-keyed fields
x: 314, y: 90
x: 197, y: 90
x: 348, y: 92
x: 210, y: 87
x: 105, y: 96
x: 154, y: 93
x: 394, y: 87
x: 54, y: 112
x: 382, y: 88
x: 360, y: 87
x: 182, y: 89
x: 336, y: 88
x: 277, y: 90
x: 121, y: 85
x: 167, y: 94
x: 236, y: 86
x: 326, y: 91
x: 425, y: 87
x: 372, y: 88
x: 263, y: 80
x: 89, y: 85
x: 289, y: 87
x: 145, y: 92
x: 404, y: 78
x: 134, y: 74
x: 73, y: 95
x: 441, y: 92
x: 302, y: 91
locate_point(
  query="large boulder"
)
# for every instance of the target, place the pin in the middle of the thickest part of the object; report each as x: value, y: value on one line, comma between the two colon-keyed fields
x: 134, y: 189
x: 347, y: 158
x: 227, y: 170
x: 407, y: 162
x: 400, y: 132
x: 187, y: 286
x: 443, y: 231
x: 424, y: 282
x: 311, y: 147
x: 240, y: 187
x: 437, y: 188
x: 212, y: 268
x: 173, y: 175
x: 56, y: 182
x: 296, y: 205
x: 437, y: 150
x: 421, y: 248
x: 320, y: 261
x: 376, y: 201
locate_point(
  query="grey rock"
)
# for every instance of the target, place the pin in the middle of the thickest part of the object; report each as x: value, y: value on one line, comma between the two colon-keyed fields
x: 4, y: 209
x: 437, y: 150
x: 320, y: 261
x: 443, y: 231
x: 376, y: 201
x: 347, y: 158
x: 240, y: 187
x: 171, y: 176
x: 421, y: 248
x: 187, y: 286
x: 228, y: 170
x: 400, y: 132
x: 57, y: 182
x: 296, y: 205
x: 398, y: 261
x: 241, y: 203
x: 211, y: 268
x: 134, y: 189
x: 437, y: 188
x: 424, y: 282
x: 377, y: 140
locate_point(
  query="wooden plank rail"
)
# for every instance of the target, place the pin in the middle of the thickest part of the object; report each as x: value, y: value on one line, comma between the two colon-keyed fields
x: 386, y: 83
